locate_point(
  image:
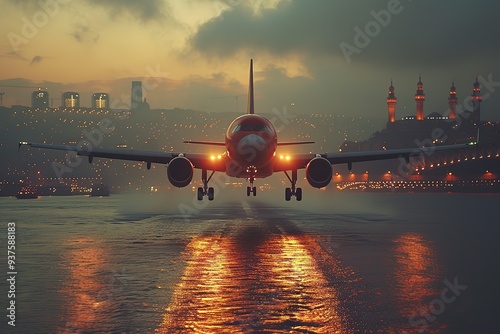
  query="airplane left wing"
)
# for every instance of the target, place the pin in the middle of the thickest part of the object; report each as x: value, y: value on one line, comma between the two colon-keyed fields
x: 200, y: 161
x: 301, y: 160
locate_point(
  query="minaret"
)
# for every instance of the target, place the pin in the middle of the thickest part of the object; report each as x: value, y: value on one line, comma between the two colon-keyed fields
x: 391, y: 104
x: 452, y: 101
x: 420, y: 98
x: 476, y: 101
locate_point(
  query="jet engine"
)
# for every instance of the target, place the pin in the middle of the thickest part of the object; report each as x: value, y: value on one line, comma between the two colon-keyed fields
x: 180, y: 172
x: 319, y: 172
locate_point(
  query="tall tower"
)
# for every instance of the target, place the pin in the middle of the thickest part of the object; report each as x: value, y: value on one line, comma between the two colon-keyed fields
x: 391, y: 104
x: 476, y: 102
x: 452, y: 101
x: 100, y: 101
x: 136, y: 95
x: 40, y: 99
x: 70, y: 100
x: 420, y: 98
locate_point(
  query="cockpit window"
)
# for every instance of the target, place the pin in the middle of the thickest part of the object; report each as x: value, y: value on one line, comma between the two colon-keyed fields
x: 252, y: 127
x: 236, y: 128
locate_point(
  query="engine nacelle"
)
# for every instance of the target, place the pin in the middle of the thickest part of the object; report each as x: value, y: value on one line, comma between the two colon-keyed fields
x: 319, y: 172
x: 180, y: 172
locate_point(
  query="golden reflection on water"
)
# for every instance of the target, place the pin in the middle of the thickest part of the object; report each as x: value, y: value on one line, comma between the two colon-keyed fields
x: 417, y: 274
x: 276, y: 286
x: 85, y: 292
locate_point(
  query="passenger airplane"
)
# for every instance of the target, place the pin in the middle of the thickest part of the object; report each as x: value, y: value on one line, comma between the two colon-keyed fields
x: 251, y: 152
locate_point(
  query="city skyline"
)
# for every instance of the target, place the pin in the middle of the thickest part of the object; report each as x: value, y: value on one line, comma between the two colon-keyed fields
x: 321, y: 57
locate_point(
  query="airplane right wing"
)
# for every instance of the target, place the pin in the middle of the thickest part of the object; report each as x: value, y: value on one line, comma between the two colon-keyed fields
x: 300, y: 161
x: 350, y: 157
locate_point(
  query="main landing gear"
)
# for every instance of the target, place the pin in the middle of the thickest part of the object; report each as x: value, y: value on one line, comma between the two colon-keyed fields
x: 289, y: 192
x: 206, y: 191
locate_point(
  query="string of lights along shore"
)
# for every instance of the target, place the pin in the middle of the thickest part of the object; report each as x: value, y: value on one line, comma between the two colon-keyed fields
x: 476, y: 99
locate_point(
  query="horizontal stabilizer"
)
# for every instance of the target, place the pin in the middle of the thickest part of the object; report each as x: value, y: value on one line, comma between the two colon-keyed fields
x: 215, y: 143
x: 295, y: 143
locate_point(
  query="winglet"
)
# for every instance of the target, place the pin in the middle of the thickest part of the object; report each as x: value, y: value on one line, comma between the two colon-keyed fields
x: 250, y: 106
x: 475, y: 143
x: 21, y: 143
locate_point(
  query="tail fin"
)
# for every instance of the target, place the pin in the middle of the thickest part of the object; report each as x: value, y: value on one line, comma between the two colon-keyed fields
x: 250, y: 106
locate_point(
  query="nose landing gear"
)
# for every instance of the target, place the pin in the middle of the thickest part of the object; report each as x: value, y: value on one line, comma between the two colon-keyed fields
x: 251, y: 189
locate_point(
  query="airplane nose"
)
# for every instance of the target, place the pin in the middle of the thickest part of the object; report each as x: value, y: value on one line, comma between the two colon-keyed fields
x: 252, y: 147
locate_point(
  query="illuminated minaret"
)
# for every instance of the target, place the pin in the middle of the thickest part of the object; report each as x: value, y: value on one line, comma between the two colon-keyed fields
x: 476, y: 101
x: 452, y: 101
x: 391, y: 104
x: 420, y: 98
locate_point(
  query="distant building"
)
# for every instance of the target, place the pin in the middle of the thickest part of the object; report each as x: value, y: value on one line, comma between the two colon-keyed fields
x: 452, y: 101
x: 419, y: 99
x: 100, y: 101
x: 40, y: 99
x: 136, y: 95
x: 391, y: 104
x: 70, y: 100
x: 137, y: 103
x: 435, y: 128
x: 476, y: 100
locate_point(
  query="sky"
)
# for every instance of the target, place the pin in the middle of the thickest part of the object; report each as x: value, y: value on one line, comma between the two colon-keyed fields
x: 322, y: 56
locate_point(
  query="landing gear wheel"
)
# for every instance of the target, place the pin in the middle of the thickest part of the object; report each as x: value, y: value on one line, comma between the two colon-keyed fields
x: 298, y: 194
x: 248, y: 191
x: 289, y: 192
x: 254, y: 191
x: 205, y: 190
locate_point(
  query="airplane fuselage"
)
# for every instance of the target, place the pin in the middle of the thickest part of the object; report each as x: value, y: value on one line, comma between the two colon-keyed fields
x: 251, y: 143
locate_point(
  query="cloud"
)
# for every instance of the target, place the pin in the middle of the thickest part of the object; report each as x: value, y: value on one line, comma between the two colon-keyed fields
x: 36, y: 60
x: 145, y: 10
x: 423, y: 33
x: 84, y: 34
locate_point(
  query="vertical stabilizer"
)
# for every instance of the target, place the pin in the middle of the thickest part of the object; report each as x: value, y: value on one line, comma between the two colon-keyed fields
x: 250, y: 106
